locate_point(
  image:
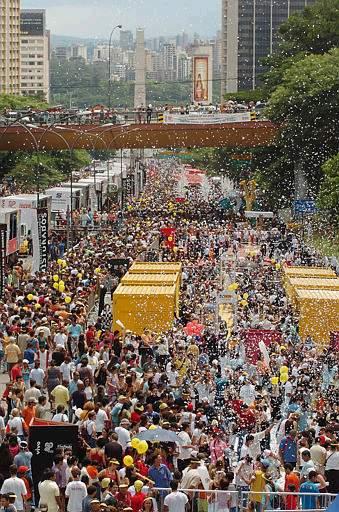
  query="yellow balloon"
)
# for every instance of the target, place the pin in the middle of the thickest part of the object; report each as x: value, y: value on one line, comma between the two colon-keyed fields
x: 283, y: 369
x: 128, y: 461
x: 244, y: 303
x: 232, y: 287
x: 37, y: 306
x: 61, y: 288
x: 142, y: 447
x: 55, y: 278
x: 274, y: 380
x: 64, y: 264
x: 56, y: 286
x: 283, y: 377
x: 59, y: 261
x: 30, y: 296
x: 245, y: 296
x: 79, y: 276
x: 61, y: 283
x: 152, y: 427
x: 68, y: 300
x: 135, y: 442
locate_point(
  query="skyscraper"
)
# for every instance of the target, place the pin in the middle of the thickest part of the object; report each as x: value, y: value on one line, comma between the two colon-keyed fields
x: 249, y: 33
x: 126, y: 40
x: 35, y: 53
x: 10, y: 46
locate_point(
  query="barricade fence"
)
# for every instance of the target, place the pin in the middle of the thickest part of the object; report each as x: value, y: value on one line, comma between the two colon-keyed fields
x: 240, y: 500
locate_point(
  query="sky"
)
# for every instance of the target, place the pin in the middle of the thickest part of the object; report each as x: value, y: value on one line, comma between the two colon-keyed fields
x: 95, y: 18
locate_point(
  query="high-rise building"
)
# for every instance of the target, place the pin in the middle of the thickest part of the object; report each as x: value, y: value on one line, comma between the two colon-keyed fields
x: 79, y: 51
x: 61, y: 52
x: 126, y: 40
x: 35, y: 53
x: 10, y: 46
x: 170, y: 61
x: 249, y: 33
x: 184, y: 66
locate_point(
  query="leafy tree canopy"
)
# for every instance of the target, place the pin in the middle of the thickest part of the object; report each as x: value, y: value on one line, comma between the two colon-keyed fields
x: 21, y: 102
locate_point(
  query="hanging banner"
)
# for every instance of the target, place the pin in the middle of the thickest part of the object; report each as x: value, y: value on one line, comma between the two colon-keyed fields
x: 43, y: 238
x: 200, y: 76
x: 44, y: 439
x: 203, y: 118
x: 3, y: 243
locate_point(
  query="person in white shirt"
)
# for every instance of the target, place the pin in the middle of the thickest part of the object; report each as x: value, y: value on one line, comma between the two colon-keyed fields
x: 247, y: 393
x: 124, y: 436
x: 37, y: 374
x: 66, y: 368
x: 60, y: 415
x: 176, y: 501
x: 15, y: 485
x: 185, y: 448
x: 101, y: 417
x: 76, y: 491
x: 49, y: 492
x: 60, y: 338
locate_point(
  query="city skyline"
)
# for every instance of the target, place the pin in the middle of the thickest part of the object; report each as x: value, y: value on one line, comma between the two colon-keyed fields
x: 86, y: 18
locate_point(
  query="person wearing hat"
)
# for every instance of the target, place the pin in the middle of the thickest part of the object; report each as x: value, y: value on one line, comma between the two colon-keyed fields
x: 138, y: 496
x: 111, y: 472
x: 25, y: 474
x: 109, y: 488
x: 123, y: 496
x: 24, y: 457
x: 6, y: 503
x: 124, y: 436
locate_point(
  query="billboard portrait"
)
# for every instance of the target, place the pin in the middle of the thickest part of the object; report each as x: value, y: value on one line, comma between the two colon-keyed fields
x: 200, y: 77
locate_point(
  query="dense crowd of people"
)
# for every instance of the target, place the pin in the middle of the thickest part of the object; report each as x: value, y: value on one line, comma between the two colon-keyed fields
x: 186, y: 418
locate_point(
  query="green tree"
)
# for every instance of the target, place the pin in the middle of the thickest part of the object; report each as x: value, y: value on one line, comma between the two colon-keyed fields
x: 328, y: 198
x: 35, y: 172
x: 306, y: 105
x: 8, y: 101
x: 315, y: 30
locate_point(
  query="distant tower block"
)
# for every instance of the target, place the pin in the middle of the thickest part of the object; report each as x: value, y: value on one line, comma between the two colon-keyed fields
x: 140, y: 71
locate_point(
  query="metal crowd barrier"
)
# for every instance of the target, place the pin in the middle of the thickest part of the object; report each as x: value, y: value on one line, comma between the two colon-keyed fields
x: 200, y: 500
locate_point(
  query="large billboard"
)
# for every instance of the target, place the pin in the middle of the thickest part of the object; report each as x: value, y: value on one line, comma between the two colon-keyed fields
x: 32, y: 22
x: 201, y: 79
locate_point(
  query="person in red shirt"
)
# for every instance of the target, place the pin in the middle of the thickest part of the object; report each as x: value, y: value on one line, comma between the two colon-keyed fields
x: 138, y: 498
x: 123, y: 496
x: 90, y: 335
x: 28, y: 412
x: 16, y: 371
x: 136, y: 414
x: 246, y: 418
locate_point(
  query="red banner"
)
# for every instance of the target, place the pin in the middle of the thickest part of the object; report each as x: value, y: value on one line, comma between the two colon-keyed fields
x: 251, y: 340
x: 169, y: 236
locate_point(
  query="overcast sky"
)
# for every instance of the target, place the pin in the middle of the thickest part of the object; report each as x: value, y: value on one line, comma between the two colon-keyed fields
x: 94, y: 18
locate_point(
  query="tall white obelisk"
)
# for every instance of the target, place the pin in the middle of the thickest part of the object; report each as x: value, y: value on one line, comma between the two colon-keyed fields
x: 140, y: 71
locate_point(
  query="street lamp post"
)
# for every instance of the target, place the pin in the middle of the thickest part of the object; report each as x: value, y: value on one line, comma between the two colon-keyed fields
x: 109, y: 64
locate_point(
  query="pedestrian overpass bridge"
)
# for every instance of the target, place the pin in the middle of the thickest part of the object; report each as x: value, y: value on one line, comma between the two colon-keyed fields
x: 29, y: 137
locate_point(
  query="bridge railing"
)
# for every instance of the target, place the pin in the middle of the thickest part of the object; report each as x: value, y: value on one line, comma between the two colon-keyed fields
x: 200, y: 500
x: 132, y: 117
